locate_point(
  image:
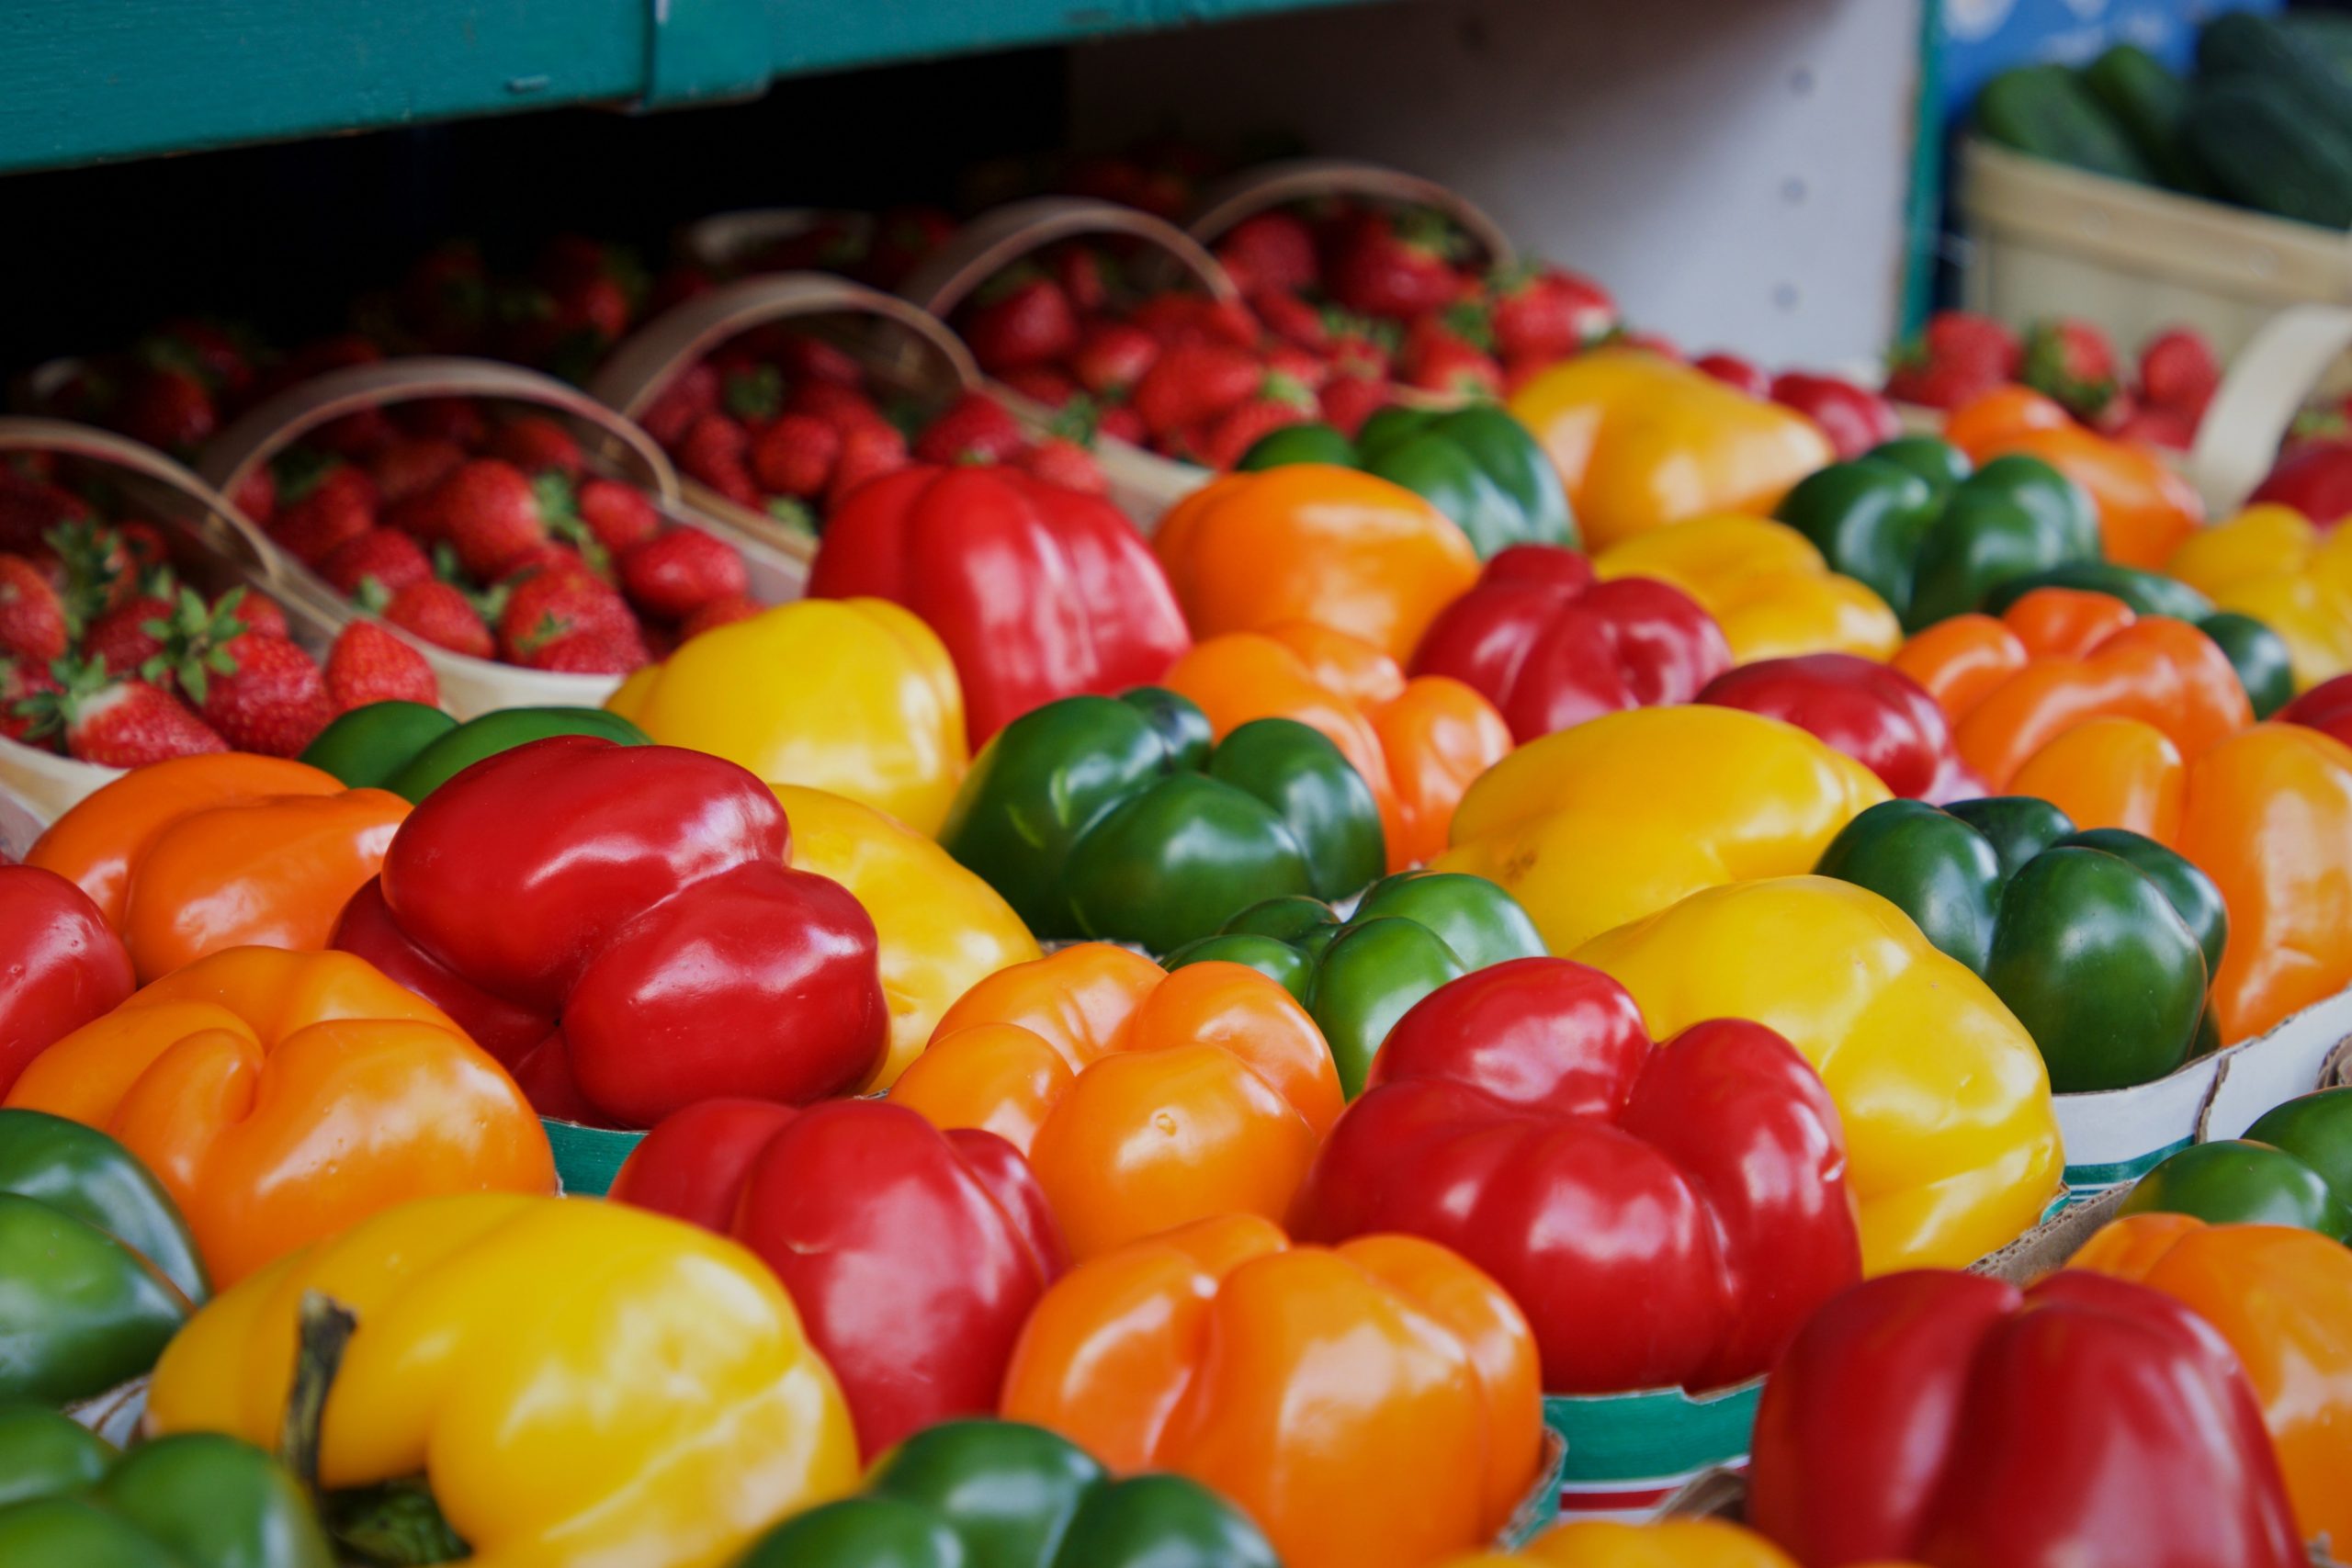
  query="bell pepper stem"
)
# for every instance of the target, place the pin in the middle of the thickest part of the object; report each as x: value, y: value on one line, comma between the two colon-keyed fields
x: 323, y: 1328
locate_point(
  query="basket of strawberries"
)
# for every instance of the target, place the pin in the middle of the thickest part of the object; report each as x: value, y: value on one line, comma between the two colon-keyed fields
x: 142, y: 618
x: 530, y: 542
x: 877, y: 249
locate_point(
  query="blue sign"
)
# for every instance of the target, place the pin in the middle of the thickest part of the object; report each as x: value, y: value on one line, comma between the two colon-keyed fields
x: 1983, y: 38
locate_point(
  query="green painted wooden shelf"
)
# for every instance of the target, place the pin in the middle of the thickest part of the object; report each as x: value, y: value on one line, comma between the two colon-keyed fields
x: 83, y: 81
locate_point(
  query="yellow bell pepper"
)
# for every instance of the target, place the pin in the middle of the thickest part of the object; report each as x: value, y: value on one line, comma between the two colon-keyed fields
x: 852, y: 695
x: 1766, y: 585
x: 1641, y: 442
x: 2272, y: 564
x: 1666, y: 1543
x: 940, y: 930
x: 578, y: 1382
x: 1946, y: 1103
x: 1622, y: 814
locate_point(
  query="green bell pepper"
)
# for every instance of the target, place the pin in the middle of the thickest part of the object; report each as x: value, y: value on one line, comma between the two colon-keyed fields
x: 1410, y: 934
x: 2259, y: 656
x: 1933, y: 539
x: 1116, y: 818
x: 412, y: 750
x: 2254, y: 651
x: 196, y: 1500
x: 97, y: 1269
x: 1005, y: 1495
x: 2293, y: 1167
x: 1477, y: 464
x: 2101, y: 943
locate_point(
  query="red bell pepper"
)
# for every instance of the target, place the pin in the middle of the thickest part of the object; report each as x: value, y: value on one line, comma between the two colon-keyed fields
x: 1854, y: 418
x: 2327, y: 708
x: 1951, y: 1420
x: 2315, y: 478
x: 1663, y: 1215
x: 618, y: 924
x: 60, y: 964
x: 1880, y: 717
x: 913, y: 1255
x: 1551, y: 647
x: 1038, y: 591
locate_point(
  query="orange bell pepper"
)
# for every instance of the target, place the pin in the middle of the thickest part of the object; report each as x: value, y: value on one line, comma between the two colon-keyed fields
x: 1309, y: 542
x: 189, y: 857
x: 2282, y: 1297
x: 2059, y: 657
x: 280, y: 1096
x: 2110, y: 772
x: 1371, y: 1405
x: 1418, y: 743
x: 2145, y: 510
x: 1144, y: 1099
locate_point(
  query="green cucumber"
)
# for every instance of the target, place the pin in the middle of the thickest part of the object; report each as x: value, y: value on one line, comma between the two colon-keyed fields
x: 2151, y: 104
x: 2045, y: 111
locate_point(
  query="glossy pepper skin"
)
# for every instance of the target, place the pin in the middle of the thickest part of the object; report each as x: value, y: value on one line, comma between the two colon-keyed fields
x: 2100, y: 943
x: 1551, y: 647
x: 938, y: 929
x: 2314, y: 478
x: 1934, y: 536
x: 1417, y: 744
x: 2282, y: 1297
x: 2145, y: 510
x: 1766, y: 584
x: 572, y: 1379
x: 1879, y: 716
x: 198, y: 854
x: 1641, y: 442
x: 1952, y: 1419
x: 64, y: 964
x: 2060, y: 656
x: 194, y: 1501
x: 618, y: 924
x: 1013, y: 1495
x: 412, y: 750
x: 279, y: 1097
x: 2327, y: 708
x: 1854, y: 418
x: 913, y: 1255
x: 101, y: 1267
x: 1312, y: 542
x: 2261, y: 657
x: 1116, y: 818
x: 856, y: 696
x: 1476, y: 463
x: 1663, y: 1543
x: 1038, y: 591
x: 2292, y: 1166
x: 1370, y: 1406
x: 1408, y: 934
x: 1143, y: 1099
x: 1618, y: 818
x: 1521, y: 1117
x: 2271, y: 563
x: 1945, y: 1102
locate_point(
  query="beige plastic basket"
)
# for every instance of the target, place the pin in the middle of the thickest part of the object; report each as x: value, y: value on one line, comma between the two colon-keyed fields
x: 213, y: 547
x: 470, y: 686
x: 1144, y: 484
x: 2046, y: 240
x: 2298, y: 352
x: 904, y: 347
x: 1269, y: 186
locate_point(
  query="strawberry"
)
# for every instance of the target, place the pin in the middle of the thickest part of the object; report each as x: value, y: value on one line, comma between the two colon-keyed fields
x: 903, y: 236
x: 1307, y: 369
x: 1348, y: 401
x: 144, y: 545
x: 1979, y: 342
x: 1042, y: 384
x: 2152, y: 424
x: 590, y: 653
x: 30, y: 509
x: 169, y: 408
x: 715, y: 450
x: 492, y: 512
x: 718, y: 613
x: 1439, y: 360
x: 690, y: 394
x: 1065, y: 463
x: 1279, y: 403
x: 368, y: 664
x: 412, y: 465
x: 2177, y: 371
x: 804, y: 358
x: 32, y: 616
x: 795, y: 455
x: 1270, y: 252
x: 975, y: 428
x: 272, y: 699
x: 844, y: 408
x: 372, y: 567
x: 1177, y: 317
x: 460, y: 420
x: 214, y: 355
x: 131, y: 633
x: 441, y: 615
x: 1734, y: 371
x: 2072, y: 361
x: 677, y: 573
x: 354, y: 434
x: 445, y: 298
x: 1293, y: 321
x: 1398, y: 265
x: 1193, y: 382
x: 1546, y: 314
x: 1019, y: 317
x: 256, y: 496
x: 114, y: 721
x: 192, y: 639
x: 616, y: 515
x: 20, y: 683
x: 259, y: 613
x: 1940, y: 384
x: 339, y: 505
x: 868, y: 452
x: 1112, y: 356
x: 535, y: 442
x: 549, y: 604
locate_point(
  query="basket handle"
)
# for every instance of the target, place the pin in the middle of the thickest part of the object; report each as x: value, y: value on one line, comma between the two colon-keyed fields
x: 720, y: 240
x: 643, y: 364
x: 1003, y: 235
x: 277, y: 423
x: 224, y: 528
x: 2258, y: 399
x: 1277, y: 184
